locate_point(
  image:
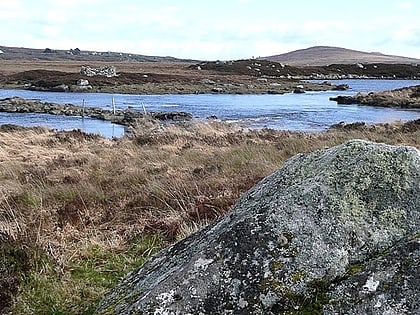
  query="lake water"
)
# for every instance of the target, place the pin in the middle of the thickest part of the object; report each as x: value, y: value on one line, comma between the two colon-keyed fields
x: 311, y: 111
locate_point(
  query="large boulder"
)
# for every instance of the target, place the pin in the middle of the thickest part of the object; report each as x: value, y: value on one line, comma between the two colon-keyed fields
x: 312, y: 237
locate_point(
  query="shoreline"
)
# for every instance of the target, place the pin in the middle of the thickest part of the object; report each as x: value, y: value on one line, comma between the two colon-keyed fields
x: 127, y: 118
x: 405, y: 98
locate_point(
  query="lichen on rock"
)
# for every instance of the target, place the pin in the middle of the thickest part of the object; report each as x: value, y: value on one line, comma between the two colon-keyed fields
x: 290, y: 241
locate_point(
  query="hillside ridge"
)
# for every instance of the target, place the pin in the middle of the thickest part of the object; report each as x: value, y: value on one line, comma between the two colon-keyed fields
x: 312, y: 56
x: 325, y: 55
x: 76, y: 54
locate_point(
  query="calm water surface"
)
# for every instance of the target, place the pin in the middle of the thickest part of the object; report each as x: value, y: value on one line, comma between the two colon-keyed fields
x: 311, y: 111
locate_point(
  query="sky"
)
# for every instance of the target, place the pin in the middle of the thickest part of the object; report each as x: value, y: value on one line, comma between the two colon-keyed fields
x: 212, y: 30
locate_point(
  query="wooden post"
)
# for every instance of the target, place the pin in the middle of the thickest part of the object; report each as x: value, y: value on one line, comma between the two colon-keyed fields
x: 113, y: 105
x: 83, y: 107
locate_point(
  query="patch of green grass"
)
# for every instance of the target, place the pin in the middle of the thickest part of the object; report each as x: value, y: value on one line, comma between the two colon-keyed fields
x: 28, y: 199
x: 14, y: 262
x: 79, y: 286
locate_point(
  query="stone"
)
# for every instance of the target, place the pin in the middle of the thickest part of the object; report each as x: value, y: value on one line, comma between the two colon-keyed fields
x: 82, y: 82
x: 207, y: 81
x: 344, y: 100
x: 262, y: 79
x: 324, y: 218
x: 82, y: 85
x: 107, y: 71
x: 217, y: 90
x: 340, y: 87
x: 388, y: 284
x: 298, y: 90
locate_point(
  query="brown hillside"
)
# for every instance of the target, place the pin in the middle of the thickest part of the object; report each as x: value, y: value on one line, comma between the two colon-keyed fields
x: 325, y: 55
x: 54, y: 55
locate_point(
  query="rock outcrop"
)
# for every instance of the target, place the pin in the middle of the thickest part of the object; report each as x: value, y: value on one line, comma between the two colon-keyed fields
x: 313, y: 237
x: 107, y: 71
x: 408, y: 97
x: 126, y: 117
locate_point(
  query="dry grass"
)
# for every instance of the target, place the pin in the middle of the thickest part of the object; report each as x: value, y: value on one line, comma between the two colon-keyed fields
x: 82, y: 208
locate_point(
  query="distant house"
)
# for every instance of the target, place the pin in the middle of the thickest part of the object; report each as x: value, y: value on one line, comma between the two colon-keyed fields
x: 1, y: 51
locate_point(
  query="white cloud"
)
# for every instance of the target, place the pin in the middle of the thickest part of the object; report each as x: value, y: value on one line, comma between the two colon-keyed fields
x: 222, y: 30
x: 405, y: 5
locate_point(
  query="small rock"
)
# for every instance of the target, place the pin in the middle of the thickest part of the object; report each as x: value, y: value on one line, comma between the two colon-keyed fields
x: 217, y: 90
x: 82, y: 82
x: 207, y: 81
x: 262, y: 79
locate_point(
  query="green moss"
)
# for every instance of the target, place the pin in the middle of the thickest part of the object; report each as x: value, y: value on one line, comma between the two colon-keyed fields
x: 229, y: 307
x: 311, y: 303
x: 385, y: 252
x: 351, y: 270
x: 298, y: 276
x: 275, y: 266
x: 14, y: 263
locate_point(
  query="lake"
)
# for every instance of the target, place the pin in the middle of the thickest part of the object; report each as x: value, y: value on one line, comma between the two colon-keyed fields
x: 311, y: 111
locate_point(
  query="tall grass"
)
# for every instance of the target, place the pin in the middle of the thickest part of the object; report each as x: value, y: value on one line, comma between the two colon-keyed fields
x: 79, y: 211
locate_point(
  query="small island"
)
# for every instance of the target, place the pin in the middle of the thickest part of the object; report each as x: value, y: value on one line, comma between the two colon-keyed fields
x: 408, y: 97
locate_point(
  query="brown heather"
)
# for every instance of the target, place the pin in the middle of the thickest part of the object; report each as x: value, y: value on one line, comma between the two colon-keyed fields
x: 78, y: 211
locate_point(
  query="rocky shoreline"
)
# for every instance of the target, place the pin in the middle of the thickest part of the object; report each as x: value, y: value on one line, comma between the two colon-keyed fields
x: 147, y: 84
x: 408, y: 97
x: 128, y: 117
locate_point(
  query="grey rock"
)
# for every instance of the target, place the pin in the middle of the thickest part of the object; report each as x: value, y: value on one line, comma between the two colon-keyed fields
x: 82, y: 82
x: 207, y: 81
x: 340, y: 87
x: 291, y: 241
x: 388, y: 284
x: 217, y: 90
x: 107, y: 71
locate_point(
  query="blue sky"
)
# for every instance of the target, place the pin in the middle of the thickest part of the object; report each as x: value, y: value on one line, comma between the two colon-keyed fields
x: 210, y: 30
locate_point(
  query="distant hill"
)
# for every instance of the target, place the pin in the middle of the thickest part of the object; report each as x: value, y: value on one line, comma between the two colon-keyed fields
x: 48, y: 54
x: 325, y: 55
